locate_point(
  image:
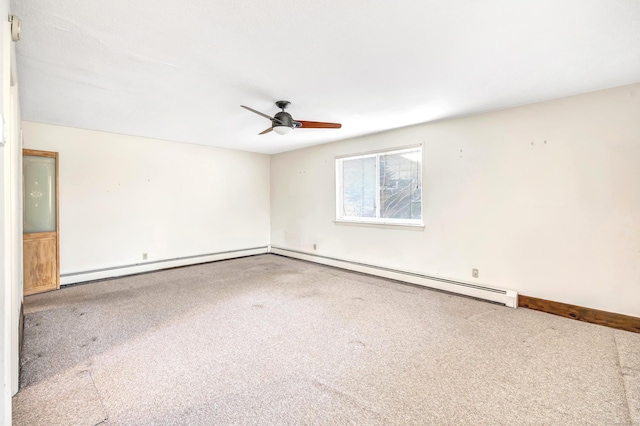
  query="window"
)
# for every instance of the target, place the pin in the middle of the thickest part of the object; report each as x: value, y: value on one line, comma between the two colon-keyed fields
x: 383, y: 187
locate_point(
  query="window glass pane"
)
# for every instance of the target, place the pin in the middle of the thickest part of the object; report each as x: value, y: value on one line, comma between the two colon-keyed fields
x: 400, y: 185
x: 359, y: 187
x: 39, y: 182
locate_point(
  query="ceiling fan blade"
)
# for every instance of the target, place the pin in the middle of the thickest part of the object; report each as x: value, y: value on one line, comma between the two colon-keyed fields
x: 266, y: 131
x: 318, y: 125
x: 262, y: 114
x: 257, y: 112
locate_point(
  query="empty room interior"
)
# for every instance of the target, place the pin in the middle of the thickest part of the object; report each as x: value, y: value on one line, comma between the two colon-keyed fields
x: 298, y: 212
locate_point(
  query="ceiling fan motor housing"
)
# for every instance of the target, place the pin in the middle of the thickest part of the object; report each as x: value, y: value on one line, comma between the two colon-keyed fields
x: 286, y: 119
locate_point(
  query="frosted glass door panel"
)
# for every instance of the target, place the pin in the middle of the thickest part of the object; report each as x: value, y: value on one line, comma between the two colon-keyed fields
x: 39, y: 180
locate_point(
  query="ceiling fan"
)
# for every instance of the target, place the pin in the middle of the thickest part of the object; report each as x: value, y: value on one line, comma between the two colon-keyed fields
x: 282, y: 123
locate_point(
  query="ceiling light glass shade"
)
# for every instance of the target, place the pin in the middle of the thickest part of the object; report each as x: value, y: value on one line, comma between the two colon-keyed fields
x: 282, y: 130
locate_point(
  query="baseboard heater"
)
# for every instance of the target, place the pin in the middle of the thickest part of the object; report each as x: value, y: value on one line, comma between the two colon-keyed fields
x: 156, y: 265
x: 506, y: 297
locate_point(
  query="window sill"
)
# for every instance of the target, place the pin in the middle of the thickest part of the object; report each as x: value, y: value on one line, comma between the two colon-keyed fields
x: 383, y: 225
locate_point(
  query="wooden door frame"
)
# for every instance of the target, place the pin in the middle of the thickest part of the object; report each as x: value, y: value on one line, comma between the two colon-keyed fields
x: 38, y: 153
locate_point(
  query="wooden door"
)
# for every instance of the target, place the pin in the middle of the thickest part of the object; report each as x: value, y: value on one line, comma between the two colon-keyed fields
x: 41, y: 242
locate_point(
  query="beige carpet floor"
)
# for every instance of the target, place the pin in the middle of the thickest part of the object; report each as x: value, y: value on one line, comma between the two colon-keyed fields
x: 267, y: 340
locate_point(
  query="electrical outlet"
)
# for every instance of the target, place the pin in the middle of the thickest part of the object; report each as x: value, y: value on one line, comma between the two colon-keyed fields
x: 474, y: 273
x: 315, y: 247
x: 144, y: 256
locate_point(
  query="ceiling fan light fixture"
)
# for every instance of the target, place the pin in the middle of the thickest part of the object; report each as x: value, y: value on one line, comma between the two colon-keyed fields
x: 282, y: 130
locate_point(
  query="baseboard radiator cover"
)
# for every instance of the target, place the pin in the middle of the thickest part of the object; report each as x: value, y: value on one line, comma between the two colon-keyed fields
x: 156, y: 265
x: 506, y: 297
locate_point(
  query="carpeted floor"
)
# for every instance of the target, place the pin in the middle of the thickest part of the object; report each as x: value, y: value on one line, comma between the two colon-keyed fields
x: 267, y: 340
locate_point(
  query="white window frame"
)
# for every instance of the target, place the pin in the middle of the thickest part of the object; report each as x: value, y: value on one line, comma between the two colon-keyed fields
x: 339, y: 192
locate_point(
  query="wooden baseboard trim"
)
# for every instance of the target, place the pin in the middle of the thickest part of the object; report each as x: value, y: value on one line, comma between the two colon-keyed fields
x: 580, y: 313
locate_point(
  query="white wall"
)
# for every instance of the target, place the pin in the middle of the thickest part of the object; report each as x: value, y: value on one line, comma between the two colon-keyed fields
x: 543, y: 199
x: 121, y: 196
x: 10, y: 220
x: 5, y: 238
x: 13, y: 123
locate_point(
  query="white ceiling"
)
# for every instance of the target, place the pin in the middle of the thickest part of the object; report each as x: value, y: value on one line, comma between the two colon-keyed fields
x: 179, y: 70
